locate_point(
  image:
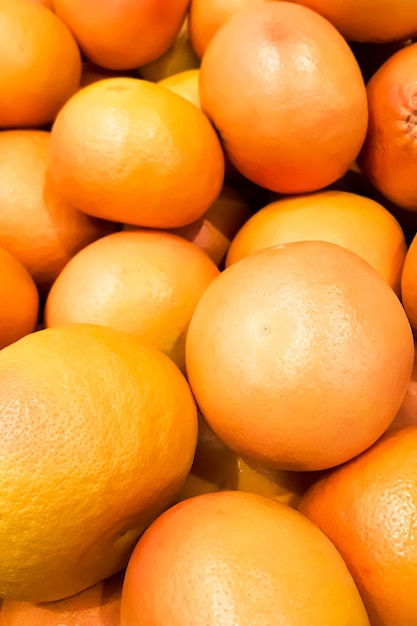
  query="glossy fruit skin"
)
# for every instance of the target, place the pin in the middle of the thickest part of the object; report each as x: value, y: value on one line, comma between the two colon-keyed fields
x: 281, y: 350
x: 286, y: 95
x: 97, y: 453
x: 237, y: 558
x: 367, y: 508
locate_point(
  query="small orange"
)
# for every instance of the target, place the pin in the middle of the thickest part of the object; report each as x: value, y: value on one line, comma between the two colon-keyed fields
x: 237, y: 558
x: 19, y: 300
x: 369, y: 20
x: 286, y: 95
x: 207, y: 16
x: 368, y: 510
x: 185, y: 84
x: 347, y: 219
x: 409, y: 283
x: 388, y: 157
x: 40, y: 67
x: 290, y: 354
x: 144, y: 282
x: 128, y: 150
x: 214, y: 231
x: 37, y: 225
x: 98, y: 605
x: 123, y: 35
x: 98, y: 435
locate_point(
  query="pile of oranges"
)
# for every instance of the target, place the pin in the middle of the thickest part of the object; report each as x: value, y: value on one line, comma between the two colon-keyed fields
x: 208, y: 309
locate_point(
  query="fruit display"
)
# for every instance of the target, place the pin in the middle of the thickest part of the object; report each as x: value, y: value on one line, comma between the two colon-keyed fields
x: 208, y: 313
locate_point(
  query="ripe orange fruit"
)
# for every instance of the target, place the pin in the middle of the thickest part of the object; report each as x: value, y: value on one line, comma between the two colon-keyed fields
x: 237, y: 559
x: 389, y: 155
x: 19, y: 300
x: 179, y: 57
x: 409, y: 283
x: 185, y: 84
x: 281, y: 350
x: 128, y: 150
x: 207, y: 16
x: 214, y: 231
x: 144, y: 282
x: 407, y: 415
x: 98, y: 605
x: 98, y: 435
x: 41, y: 64
x: 286, y: 94
x: 369, y: 21
x: 347, y: 219
x: 368, y: 510
x: 123, y: 35
x: 37, y: 225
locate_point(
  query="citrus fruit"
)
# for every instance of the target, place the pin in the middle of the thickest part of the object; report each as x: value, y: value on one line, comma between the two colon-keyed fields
x: 98, y: 435
x: 19, y: 300
x: 37, y: 225
x: 214, y: 231
x: 368, y: 510
x: 144, y: 282
x: 237, y: 558
x: 409, y: 283
x: 179, y: 57
x: 281, y: 351
x: 286, y: 95
x: 369, y: 20
x: 185, y: 84
x: 41, y: 64
x: 407, y: 415
x: 128, y: 150
x: 123, y: 35
x: 347, y: 219
x: 98, y: 605
x: 388, y: 157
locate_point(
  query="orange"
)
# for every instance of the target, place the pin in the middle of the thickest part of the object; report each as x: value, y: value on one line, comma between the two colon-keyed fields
x: 368, y: 510
x: 237, y: 558
x: 36, y: 224
x: 41, y: 64
x: 19, y: 300
x: 388, y: 157
x: 128, y: 150
x: 98, y: 435
x: 409, y: 283
x: 185, y: 84
x: 217, y: 468
x: 207, y: 16
x: 179, y: 57
x: 407, y: 415
x: 368, y: 20
x: 286, y: 95
x: 290, y: 354
x: 214, y: 231
x: 350, y: 220
x: 49, y: 4
x: 98, y: 605
x: 144, y: 282
x: 123, y: 35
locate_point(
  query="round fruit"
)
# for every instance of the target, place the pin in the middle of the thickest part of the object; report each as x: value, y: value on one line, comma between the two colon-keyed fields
x: 19, y: 300
x: 237, y: 558
x: 131, y: 151
x: 290, y: 355
x: 355, y: 222
x: 185, y: 84
x: 123, y: 35
x: 37, y: 225
x: 98, y: 435
x: 388, y: 157
x: 368, y: 510
x: 286, y: 95
x: 40, y: 67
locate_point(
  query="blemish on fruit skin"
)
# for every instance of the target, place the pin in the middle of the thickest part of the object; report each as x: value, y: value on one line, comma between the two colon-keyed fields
x: 265, y: 329
x: 411, y: 124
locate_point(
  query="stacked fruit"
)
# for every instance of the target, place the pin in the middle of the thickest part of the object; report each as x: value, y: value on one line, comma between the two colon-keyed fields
x: 208, y: 301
